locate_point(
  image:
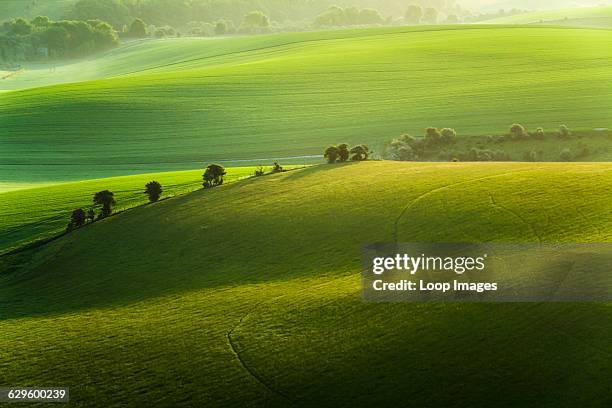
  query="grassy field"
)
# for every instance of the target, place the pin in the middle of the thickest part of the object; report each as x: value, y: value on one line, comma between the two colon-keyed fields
x: 170, y: 104
x: 250, y: 293
x: 33, y: 213
x: 579, y: 16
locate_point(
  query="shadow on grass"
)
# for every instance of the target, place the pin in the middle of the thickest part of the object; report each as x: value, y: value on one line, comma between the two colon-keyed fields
x: 180, y: 245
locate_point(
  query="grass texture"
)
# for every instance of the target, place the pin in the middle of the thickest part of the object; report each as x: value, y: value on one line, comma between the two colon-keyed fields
x: 250, y: 294
x: 170, y: 104
x: 40, y: 212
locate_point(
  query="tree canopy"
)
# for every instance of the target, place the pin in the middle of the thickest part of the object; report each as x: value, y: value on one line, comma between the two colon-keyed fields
x: 22, y: 40
x: 213, y: 175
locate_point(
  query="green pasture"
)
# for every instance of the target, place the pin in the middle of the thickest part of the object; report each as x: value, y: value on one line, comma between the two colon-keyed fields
x: 250, y: 294
x: 165, y: 105
x: 40, y: 212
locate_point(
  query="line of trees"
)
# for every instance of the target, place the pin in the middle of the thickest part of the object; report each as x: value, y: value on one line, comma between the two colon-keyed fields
x: 440, y: 144
x: 351, y: 16
x: 179, y: 13
x: 24, y: 40
x: 341, y: 153
x: 105, y: 200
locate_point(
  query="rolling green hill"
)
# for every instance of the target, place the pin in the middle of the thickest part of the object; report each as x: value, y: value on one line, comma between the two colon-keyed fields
x: 578, y: 16
x: 29, y: 214
x: 251, y: 293
x: 166, y: 105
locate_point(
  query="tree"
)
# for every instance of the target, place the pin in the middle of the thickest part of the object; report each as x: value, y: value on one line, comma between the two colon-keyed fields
x: 154, y: 191
x: 566, y: 155
x: 343, y: 152
x: 106, y: 199
x: 255, y: 21
x: 539, y: 133
x: 333, y: 16
x: 430, y: 16
x: 331, y: 154
x: 213, y: 176
x: 77, y: 219
x: 448, y: 135
x: 360, y: 153
x: 414, y: 14
x: 220, y: 28
x: 369, y: 16
x: 41, y: 21
x: 432, y: 135
x: 138, y: 29
x: 91, y: 215
x: 564, y: 132
x: 517, y: 131
x: 21, y: 26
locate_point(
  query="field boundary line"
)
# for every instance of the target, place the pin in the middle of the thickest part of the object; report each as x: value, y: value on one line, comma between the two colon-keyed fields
x: 516, y: 215
x: 414, y: 201
x: 258, y: 378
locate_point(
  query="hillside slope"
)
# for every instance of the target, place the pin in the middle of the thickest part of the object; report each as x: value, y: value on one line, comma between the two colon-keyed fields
x: 189, y: 101
x: 41, y: 212
x: 250, y: 292
x: 577, y: 16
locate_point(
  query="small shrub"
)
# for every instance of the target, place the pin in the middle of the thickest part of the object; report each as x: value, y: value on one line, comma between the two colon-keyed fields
x: 566, y: 155
x: 432, y: 136
x: 564, y: 132
x: 77, y: 219
x: 401, y: 149
x: 406, y: 153
x: 277, y: 168
x: 360, y: 153
x: 483, y: 155
x: 539, y: 134
x: 343, y: 152
x: 331, y: 154
x: 448, y: 135
x: 517, y: 131
x: 259, y: 171
x: 584, y: 150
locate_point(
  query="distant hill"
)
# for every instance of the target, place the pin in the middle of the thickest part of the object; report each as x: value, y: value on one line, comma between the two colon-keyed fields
x: 494, y: 5
x: 584, y: 16
x: 166, y: 104
x: 54, y: 9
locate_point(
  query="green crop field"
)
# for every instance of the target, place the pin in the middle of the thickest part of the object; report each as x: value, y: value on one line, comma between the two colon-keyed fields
x: 33, y: 213
x: 578, y: 16
x: 172, y: 104
x: 249, y: 294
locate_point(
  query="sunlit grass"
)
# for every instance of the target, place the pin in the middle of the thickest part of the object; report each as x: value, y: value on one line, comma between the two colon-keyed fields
x: 250, y: 292
x: 165, y: 105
